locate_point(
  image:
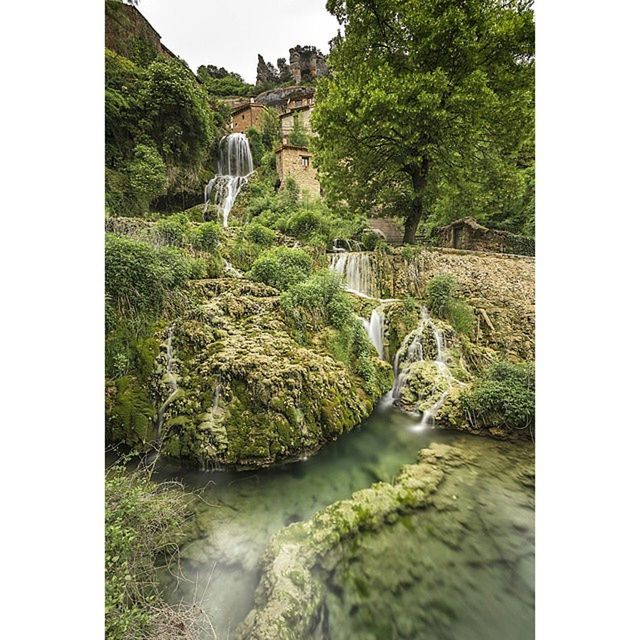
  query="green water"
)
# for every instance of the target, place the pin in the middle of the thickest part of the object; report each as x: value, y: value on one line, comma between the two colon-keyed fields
x: 238, y: 512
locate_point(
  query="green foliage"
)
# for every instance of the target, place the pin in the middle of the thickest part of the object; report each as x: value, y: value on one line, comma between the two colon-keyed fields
x: 321, y: 299
x: 429, y: 106
x: 147, y: 175
x: 138, y: 278
x: 220, y: 82
x: 503, y: 397
x: 281, y: 267
x: 174, y: 230
x: 370, y: 240
x: 441, y: 290
x: 143, y: 521
x: 298, y: 136
x: 270, y: 128
x: 206, y: 236
x: 461, y: 316
x: 176, y: 112
x: 258, y: 233
x: 257, y: 145
x: 442, y: 299
x: 158, y: 120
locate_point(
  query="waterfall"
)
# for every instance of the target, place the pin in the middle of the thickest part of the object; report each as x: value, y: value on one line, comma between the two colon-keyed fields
x: 375, y: 329
x: 231, y: 271
x: 172, y: 380
x: 410, y: 351
x: 356, y: 269
x: 235, y: 165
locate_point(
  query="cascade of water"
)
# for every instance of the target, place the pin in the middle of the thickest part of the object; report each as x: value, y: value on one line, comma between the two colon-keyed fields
x: 230, y: 270
x: 355, y: 268
x: 235, y: 165
x: 410, y: 351
x: 375, y: 329
x: 171, y: 379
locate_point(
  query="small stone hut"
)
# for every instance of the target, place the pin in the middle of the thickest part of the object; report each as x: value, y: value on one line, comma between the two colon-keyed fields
x: 468, y: 234
x: 296, y: 162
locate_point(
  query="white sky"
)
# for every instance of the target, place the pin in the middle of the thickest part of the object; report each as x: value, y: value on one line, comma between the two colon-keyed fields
x: 231, y: 33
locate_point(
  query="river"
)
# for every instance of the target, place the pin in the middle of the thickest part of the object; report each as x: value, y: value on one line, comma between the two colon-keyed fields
x: 475, y: 562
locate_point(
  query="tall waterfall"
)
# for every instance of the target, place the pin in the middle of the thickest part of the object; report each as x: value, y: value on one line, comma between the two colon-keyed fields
x: 357, y: 271
x: 235, y: 165
x: 171, y: 379
x: 375, y: 329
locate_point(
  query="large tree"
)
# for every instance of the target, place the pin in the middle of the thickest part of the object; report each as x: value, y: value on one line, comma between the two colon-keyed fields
x: 425, y: 97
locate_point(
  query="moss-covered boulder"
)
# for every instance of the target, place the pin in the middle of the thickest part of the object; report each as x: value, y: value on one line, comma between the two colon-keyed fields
x: 290, y: 596
x: 249, y: 394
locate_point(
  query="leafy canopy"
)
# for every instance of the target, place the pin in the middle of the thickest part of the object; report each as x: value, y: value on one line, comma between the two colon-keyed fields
x: 426, y: 100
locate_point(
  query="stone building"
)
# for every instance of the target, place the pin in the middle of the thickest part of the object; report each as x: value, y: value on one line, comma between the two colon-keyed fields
x: 296, y: 162
x: 245, y: 116
x: 301, y: 108
x: 467, y: 234
x: 387, y: 229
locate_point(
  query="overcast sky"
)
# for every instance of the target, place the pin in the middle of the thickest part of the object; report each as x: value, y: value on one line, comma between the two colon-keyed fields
x: 231, y: 33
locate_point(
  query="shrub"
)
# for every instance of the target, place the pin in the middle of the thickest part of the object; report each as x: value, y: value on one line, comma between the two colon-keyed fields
x: 206, y: 237
x: 147, y: 175
x: 461, y: 316
x: 441, y: 290
x: 281, y: 267
x: 503, y: 397
x: 174, y: 230
x: 320, y: 297
x: 370, y: 240
x: 138, y: 277
x: 143, y: 520
x: 258, y: 233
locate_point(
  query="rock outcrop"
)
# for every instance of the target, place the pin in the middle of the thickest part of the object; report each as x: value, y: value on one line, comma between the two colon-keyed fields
x: 249, y: 395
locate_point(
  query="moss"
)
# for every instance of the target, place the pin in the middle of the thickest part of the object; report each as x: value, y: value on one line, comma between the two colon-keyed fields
x: 131, y: 415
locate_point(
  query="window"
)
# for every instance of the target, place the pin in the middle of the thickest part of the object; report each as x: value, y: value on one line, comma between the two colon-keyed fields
x: 305, y: 161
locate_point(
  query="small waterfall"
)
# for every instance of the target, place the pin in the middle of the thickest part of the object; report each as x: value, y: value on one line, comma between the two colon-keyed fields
x: 235, y: 165
x: 171, y: 379
x: 356, y: 269
x: 412, y: 351
x: 231, y: 271
x: 375, y: 329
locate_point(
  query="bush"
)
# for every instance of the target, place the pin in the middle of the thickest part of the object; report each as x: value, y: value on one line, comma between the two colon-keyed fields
x: 370, y: 240
x: 441, y: 290
x: 139, y: 277
x: 143, y: 520
x: 503, y: 397
x: 258, y: 233
x: 147, y: 175
x: 281, y: 267
x: 174, y: 230
x: 461, y: 316
x: 205, y: 237
x: 320, y: 297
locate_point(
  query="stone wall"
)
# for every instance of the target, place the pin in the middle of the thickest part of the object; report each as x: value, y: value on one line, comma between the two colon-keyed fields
x: 296, y: 162
x: 129, y: 33
x: 287, y: 119
x: 500, y: 288
x: 468, y: 234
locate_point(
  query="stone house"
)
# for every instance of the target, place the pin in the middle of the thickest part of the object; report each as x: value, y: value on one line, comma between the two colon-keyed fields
x: 302, y: 108
x: 296, y: 162
x: 467, y: 234
x: 245, y: 116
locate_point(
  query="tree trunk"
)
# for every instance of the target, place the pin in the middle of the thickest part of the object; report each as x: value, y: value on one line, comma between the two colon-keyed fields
x: 412, y: 221
x: 418, y: 175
